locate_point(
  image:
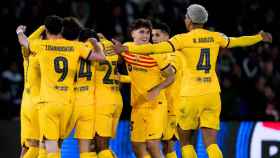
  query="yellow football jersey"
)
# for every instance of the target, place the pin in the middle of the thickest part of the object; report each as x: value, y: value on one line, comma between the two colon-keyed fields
x: 84, y: 82
x: 107, y: 80
x: 58, y: 60
x: 201, y: 55
x: 200, y: 48
x: 32, y: 69
x: 145, y: 73
x: 173, y: 91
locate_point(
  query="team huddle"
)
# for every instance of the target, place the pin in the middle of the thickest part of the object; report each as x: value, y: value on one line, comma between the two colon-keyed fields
x: 72, y: 82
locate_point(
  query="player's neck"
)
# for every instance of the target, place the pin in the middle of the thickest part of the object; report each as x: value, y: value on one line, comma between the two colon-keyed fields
x: 53, y: 37
x: 193, y: 27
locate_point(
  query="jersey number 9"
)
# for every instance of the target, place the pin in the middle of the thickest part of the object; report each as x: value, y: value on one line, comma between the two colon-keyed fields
x: 61, y: 66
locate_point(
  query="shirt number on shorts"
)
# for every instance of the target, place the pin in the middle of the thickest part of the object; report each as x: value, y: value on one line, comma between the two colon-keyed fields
x: 204, y: 60
x: 61, y: 67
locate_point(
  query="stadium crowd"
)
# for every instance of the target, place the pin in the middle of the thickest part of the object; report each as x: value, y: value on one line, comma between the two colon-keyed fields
x: 249, y: 77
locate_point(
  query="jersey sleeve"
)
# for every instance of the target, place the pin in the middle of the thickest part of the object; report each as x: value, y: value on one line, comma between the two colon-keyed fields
x: 162, y: 47
x: 34, y: 46
x: 163, y: 60
x: 230, y: 42
x: 125, y: 79
x: 173, y: 60
x: 244, y: 41
x: 84, y: 50
x: 37, y: 33
x: 180, y: 41
x: 222, y: 39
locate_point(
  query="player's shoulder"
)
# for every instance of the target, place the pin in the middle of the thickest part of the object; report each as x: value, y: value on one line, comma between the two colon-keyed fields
x: 217, y: 34
x: 37, y: 41
x: 181, y: 35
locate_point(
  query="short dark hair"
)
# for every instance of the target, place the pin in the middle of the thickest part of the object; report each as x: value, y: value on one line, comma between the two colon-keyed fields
x: 71, y: 28
x: 53, y: 24
x: 87, y: 33
x: 140, y: 23
x: 161, y: 26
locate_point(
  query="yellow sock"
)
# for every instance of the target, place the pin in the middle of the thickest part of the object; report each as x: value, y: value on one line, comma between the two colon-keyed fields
x: 32, y: 152
x: 42, y: 153
x: 188, y: 152
x: 171, y: 155
x: 147, y: 156
x: 88, y: 155
x: 53, y: 155
x: 105, y: 154
x: 214, y: 151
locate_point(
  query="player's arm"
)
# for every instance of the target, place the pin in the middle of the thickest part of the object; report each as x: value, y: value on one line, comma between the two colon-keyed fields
x: 22, y: 38
x: 24, y: 41
x: 169, y: 74
x: 37, y: 33
x: 248, y: 40
x: 124, y: 79
x: 96, y: 53
x: 163, y: 47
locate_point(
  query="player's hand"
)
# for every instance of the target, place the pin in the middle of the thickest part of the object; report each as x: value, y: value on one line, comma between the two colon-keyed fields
x: 118, y: 47
x: 267, y: 37
x: 153, y: 93
x: 101, y: 36
x: 21, y: 28
x: 95, y: 45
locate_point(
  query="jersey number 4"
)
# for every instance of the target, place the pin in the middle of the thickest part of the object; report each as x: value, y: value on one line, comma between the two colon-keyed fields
x: 204, y: 60
x: 85, y: 70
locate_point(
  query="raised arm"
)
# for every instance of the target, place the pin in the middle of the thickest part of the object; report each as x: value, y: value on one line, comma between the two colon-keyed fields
x: 249, y: 40
x: 22, y: 38
x: 97, y: 52
x: 37, y: 34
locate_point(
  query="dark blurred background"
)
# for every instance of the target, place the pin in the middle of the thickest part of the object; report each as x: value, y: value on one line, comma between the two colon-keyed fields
x: 249, y: 77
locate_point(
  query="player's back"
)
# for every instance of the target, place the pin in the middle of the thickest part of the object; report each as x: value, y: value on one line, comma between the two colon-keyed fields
x: 200, y: 56
x: 106, y: 80
x: 58, y: 64
x: 84, y: 82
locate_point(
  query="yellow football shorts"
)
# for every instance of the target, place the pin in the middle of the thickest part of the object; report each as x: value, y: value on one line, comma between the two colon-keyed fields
x: 109, y: 106
x: 199, y: 111
x: 55, y: 119
x: 148, y: 121
x: 29, y: 120
x: 171, y: 122
x: 84, y: 121
x: 170, y: 128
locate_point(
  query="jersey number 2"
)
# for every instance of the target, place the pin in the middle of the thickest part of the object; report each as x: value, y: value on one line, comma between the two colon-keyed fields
x: 204, y: 60
x: 106, y: 79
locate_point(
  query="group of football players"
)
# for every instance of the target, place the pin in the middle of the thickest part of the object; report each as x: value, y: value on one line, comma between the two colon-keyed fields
x: 72, y: 82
